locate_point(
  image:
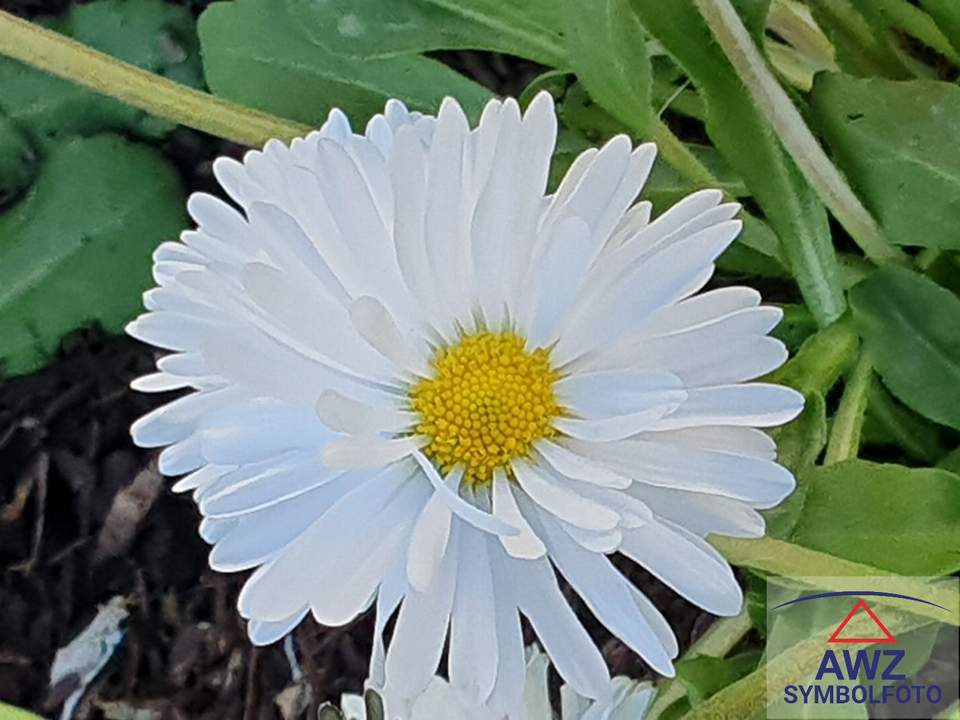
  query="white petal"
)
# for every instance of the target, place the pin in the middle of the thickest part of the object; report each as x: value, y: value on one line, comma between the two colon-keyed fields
x: 570, y: 647
x: 526, y: 544
x: 359, y: 556
x: 606, y: 393
x: 376, y: 325
x: 460, y: 507
x: 762, y: 483
x: 580, y: 467
x: 346, y: 415
x: 687, y: 564
x: 564, y: 503
x: 428, y: 543
x: 607, y: 594
x: 421, y: 629
x: 474, y: 653
x: 756, y: 404
x: 370, y: 452
x: 266, y: 633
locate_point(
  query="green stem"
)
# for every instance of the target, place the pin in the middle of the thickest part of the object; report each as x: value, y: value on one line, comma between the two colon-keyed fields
x: 729, y: 31
x: 680, y: 157
x: 844, y: 442
x: 821, y: 360
x: 717, y: 641
x: 66, y: 58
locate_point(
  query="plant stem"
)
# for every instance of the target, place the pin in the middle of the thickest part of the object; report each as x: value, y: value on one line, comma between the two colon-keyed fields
x: 729, y: 31
x: 680, y: 157
x: 68, y: 59
x: 717, y: 641
x: 844, y: 440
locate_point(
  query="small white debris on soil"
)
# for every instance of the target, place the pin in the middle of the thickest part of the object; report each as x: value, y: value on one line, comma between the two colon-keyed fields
x: 78, y: 663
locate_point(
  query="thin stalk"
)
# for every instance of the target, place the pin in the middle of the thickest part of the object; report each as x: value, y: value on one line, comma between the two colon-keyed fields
x: 729, y: 31
x: 680, y: 157
x: 68, y: 59
x: 844, y: 442
x: 717, y: 641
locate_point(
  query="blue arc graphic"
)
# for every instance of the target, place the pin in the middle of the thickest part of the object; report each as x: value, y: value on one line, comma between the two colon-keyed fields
x: 857, y: 593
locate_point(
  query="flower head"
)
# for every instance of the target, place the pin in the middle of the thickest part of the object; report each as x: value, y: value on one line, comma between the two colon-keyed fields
x: 420, y: 381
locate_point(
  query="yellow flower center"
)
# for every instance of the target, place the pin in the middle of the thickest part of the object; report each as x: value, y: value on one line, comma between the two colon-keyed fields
x: 489, y: 400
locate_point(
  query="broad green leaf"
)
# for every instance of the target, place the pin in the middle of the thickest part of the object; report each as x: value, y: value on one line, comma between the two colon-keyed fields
x: 77, y: 248
x: 18, y: 162
x: 742, y: 135
x: 911, y: 327
x: 255, y: 53
x: 946, y: 13
x: 607, y: 50
x: 152, y: 34
x: 386, y: 28
x: 897, y: 144
x: 705, y: 675
x: 892, y: 517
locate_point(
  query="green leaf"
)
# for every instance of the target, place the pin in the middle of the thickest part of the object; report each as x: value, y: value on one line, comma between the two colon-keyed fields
x: 77, y: 248
x: 18, y: 162
x: 386, y: 28
x: 255, y: 53
x: 889, y: 422
x: 892, y: 517
x: 704, y: 675
x: 897, y: 144
x: 742, y: 135
x: 946, y: 13
x: 152, y: 34
x: 910, y: 325
x: 607, y: 50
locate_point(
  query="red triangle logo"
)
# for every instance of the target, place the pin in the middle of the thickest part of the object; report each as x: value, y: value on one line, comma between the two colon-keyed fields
x: 861, y: 605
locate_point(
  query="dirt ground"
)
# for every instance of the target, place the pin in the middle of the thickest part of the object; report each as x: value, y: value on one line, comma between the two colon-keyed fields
x: 84, y: 517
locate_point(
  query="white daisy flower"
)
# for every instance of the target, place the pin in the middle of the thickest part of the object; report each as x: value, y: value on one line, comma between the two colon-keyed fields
x: 627, y: 700
x: 421, y: 382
